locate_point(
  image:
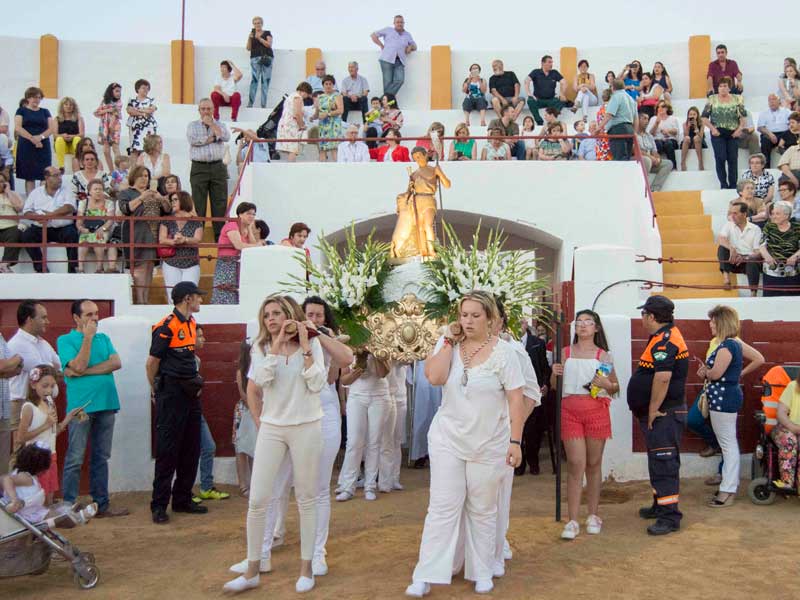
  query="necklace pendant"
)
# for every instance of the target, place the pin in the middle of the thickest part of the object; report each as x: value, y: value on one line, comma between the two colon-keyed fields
x: 464, y: 378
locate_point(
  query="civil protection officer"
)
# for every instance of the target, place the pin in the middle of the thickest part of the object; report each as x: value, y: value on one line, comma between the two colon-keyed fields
x: 656, y: 396
x: 176, y: 383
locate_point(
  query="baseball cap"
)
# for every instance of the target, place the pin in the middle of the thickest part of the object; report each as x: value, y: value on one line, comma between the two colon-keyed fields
x: 183, y: 289
x: 657, y: 304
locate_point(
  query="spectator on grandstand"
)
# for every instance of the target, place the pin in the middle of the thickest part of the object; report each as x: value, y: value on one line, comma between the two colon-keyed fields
x: 33, y: 126
x: 789, y: 165
x: 693, y: 136
x: 208, y: 139
x: 780, y: 249
x: 180, y: 257
x: 10, y: 206
x: 762, y: 179
x: 44, y: 205
x: 660, y: 168
x: 793, y: 137
x: 546, y: 87
x: 529, y: 132
x: 156, y: 160
x: 224, y: 92
x: 746, y: 194
x: 5, y: 122
x: 396, y: 44
x: 94, y: 227
x: 70, y: 129
x: 788, y: 192
x: 474, y: 88
x: 721, y: 68
x: 495, y: 148
x: 119, y: 176
x: 90, y: 170
x: 738, y: 250
x: 504, y: 90
x: 292, y: 122
x: 749, y: 139
x: 662, y: 78
x: 392, y: 151
x: 463, y: 148
x: 602, y: 147
x: 355, y: 92
x: 724, y: 115
x: 298, y: 235
x: 141, y: 121
x: 509, y: 127
x: 609, y: 82
x: 587, y: 149
x: 666, y: 130
x: 632, y: 76
x: 243, y: 140
x: 86, y: 145
x: 259, y: 43
x: 586, y: 88
x: 650, y: 94
x: 773, y: 125
x: 432, y: 142
x: 618, y: 119
x: 554, y: 146
x: 234, y: 237
x: 353, y: 151
x: 789, y: 87
x: 391, y: 117
x: 315, y: 80
x: 328, y: 109
x: 110, y: 115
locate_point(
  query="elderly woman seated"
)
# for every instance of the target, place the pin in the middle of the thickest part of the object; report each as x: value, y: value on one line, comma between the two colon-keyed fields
x: 762, y: 179
x: 786, y: 434
x: 780, y: 249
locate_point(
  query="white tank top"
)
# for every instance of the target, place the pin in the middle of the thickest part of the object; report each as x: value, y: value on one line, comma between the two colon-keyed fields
x: 33, y: 497
x: 578, y: 372
x: 46, y: 437
x: 369, y: 382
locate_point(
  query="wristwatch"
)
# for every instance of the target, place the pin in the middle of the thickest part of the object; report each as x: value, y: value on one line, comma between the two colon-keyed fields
x: 517, y: 442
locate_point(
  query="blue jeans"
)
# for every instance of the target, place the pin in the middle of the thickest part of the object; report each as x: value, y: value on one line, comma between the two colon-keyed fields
x: 518, y: 149
x: 259, y: 72
x: 394, y: 74
x: 207, y: 450
x: 726, y: 153
x: 100, y: 427
x: 698, y: 424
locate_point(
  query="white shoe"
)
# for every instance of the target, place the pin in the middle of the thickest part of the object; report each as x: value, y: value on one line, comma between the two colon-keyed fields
x: 499, y: 569
x: 360, y: 483
x: 319, y: 566
x: 344, y: 496
x: 241, y: 567
x: 278, y: 540
x: 507, y: 553
x: 304, y: 584
x: 240, y: 584
x: 484, y: 586
x: 418, y: 589
x: 398, y: 486
x: 594, y: 524
x: 370, y: 496
x: 384, y: 490
x: 571, y: 531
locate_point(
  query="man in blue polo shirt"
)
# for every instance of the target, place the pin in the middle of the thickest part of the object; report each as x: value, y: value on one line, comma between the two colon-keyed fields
x: 89, y: 359
x: 618, y: 120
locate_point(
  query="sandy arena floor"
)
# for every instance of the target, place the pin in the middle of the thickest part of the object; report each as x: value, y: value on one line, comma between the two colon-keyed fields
x: 738, y: 552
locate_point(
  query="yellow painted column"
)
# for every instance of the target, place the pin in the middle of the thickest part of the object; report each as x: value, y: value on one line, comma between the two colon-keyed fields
x: 699, y: 57
x: 313, y: 56
x: 185, y: 95
x: 568, y: 66
x: 48, y: 65
x: 441, y: 78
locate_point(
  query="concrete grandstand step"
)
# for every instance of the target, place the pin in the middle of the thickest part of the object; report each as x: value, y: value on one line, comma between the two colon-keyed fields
x: 668, y: 204
x: 687, y: 292
x: 697, y: 251
x: 674, y: 268
x: 158, y: 294
x: 683, y: 222
x: 685, y: 236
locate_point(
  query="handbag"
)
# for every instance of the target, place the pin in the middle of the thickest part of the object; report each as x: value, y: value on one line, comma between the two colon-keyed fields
x: 265, y: 60
x: 702, y: 401
x: 166, y: 251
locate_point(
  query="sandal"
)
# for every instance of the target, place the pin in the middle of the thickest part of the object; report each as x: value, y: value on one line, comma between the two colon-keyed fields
x: 715, y: 502
x: 244, y: 492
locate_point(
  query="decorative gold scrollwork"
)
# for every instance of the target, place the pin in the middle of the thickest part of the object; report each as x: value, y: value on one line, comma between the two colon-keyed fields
x: 403, y: 333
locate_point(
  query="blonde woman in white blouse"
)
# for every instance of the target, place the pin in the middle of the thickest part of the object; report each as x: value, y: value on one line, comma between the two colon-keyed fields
x: 473, y: 439
x: 289, y: 368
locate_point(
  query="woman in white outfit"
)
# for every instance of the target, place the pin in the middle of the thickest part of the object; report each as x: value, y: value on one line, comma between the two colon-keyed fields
x: 368, y: 406
x: 397, y: 388
x: 473, y: 438
x: 290, y: 370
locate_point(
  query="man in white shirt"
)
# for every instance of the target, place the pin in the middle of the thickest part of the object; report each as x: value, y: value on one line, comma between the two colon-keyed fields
x: 739, y: 240
x: 773, y: 125
x: 10, y: 366
x: 352, y: 151
x: 355, y: 92
x: 29, y: 344
x: 52, y: 201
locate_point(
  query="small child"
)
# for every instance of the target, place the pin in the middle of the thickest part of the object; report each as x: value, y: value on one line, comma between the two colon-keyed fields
x: 580, y: 132
x: 119, y: 176
x: 38, y: 423
x: 24, y: 495
x: 244, y: 427
x: 375, y: 110
x: 496, y: 149
x: 528, y: 127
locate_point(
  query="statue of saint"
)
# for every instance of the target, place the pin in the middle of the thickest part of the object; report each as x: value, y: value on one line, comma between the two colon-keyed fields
x: 416, y: 209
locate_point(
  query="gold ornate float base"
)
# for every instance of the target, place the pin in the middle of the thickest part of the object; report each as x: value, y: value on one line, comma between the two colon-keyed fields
x: 403, y: 333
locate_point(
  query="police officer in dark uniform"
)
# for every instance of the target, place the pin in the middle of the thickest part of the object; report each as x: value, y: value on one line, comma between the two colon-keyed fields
x: 656, y: 396
x: 176, y: 383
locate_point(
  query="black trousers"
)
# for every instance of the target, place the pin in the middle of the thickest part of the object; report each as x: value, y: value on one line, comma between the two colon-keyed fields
x: 753, y: 269
x: 540, y: 420
x: 667, y: 148
x: 177, y: 445
x: 359, y: 105
x: 61, y: 235
x: 664, y: 461
x: 789, y: 139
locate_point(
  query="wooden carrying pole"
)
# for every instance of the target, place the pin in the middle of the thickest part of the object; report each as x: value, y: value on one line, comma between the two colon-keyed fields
x: 557, y: 450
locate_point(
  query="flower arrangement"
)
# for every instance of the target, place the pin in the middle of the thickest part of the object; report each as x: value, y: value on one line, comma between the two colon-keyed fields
x: 351, y: 283
x: 509, y: 276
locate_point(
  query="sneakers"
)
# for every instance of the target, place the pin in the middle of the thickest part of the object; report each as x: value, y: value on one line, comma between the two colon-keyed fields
x: 304, y: 584
x: 278, y: 541
x: 111, y: 512
x: 344, y: 496
x: 594, y: 524
x: 319, y: 566
x: 418, y: 589
x: 398, y: 486
x: 370, y: 496
x: 213, y: 494
x: 499, y: 568
x: 507, y: 553
x: 240, y: 584
x: 241, y: 567
x: 484, y: 587
x: 360, y: 483
x: 571, y: 531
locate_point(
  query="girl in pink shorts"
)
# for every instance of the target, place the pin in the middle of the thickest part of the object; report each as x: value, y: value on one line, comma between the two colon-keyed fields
x: 585, y: 418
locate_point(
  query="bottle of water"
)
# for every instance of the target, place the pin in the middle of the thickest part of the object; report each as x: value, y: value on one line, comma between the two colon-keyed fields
x: 604, y: 370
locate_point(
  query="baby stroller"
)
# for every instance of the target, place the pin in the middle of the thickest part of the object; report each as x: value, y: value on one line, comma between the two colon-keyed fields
x: 269, y: 128
x: 762, y: 490
x: 26, y: 549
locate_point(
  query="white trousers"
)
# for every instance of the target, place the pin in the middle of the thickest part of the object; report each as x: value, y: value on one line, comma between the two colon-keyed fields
x: 386, y: 448
x: 399, y: 439
x: 303, y: 443
x: 585, y: 100
x: 460, y: 490
x: 331, y: 440
x: 173, y: 276
x: 366, y: 419
x: 724, y: 426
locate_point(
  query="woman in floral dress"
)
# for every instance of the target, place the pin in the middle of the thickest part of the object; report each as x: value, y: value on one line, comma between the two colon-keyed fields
x: 602, y: 147
x: 110, y: 114
x: 330, y: 107
x: 141, y: 122
x: 292, y: 122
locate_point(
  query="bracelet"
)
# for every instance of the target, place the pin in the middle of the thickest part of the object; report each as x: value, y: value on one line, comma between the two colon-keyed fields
x: 517, y: 442
x: 308, y: 354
